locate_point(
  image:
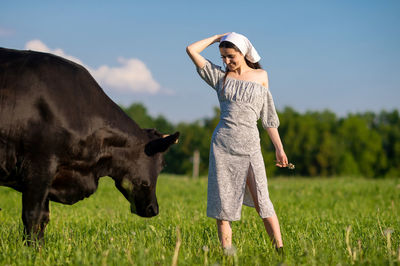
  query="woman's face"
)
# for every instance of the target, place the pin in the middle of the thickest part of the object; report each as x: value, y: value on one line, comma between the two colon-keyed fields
x: 232, y: 58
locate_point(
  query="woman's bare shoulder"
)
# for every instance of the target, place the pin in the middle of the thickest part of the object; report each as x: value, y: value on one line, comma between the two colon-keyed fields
x: 261, y: 76
x: 261, y: 72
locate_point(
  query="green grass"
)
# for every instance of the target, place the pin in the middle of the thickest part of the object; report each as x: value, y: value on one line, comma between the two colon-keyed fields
x: 314, y: 215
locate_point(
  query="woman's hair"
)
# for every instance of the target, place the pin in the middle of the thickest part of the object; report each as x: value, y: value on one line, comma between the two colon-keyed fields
x: 226, y: 44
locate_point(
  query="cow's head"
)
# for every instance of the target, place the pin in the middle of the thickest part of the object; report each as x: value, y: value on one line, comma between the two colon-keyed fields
x: 138, y: 182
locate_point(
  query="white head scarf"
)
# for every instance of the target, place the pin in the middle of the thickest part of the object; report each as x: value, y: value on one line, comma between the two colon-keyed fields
x: 244, y: 45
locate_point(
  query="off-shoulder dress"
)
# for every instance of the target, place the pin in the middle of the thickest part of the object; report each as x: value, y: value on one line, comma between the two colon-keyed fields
x: 235, y: 152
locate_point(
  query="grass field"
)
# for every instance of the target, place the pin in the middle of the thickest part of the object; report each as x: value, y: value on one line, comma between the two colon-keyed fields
x: 316, y: 215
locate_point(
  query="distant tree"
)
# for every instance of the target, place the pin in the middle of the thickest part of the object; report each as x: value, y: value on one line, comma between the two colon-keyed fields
x: 138, y: 112
x: 347, y: 165
x: 387, y: 125
x: 365, y: 145
x: 163, y: 125
x: 327, y: 155
x: 193, y: 137
x: 318, y: 143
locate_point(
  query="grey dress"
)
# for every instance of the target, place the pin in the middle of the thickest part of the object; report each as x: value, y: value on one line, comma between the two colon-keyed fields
x: 235, y: 152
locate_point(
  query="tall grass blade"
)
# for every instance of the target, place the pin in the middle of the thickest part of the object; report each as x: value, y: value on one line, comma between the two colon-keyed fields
x: 177, y: 246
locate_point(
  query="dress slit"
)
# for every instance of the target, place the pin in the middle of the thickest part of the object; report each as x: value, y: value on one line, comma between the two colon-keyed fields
x: 251, y: 185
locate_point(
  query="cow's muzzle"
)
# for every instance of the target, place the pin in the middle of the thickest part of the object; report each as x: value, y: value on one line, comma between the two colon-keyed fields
x: 149, y: 211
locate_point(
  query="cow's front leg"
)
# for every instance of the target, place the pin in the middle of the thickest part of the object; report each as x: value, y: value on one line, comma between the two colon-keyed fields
x: 35, y: 213
x: 45, y: 218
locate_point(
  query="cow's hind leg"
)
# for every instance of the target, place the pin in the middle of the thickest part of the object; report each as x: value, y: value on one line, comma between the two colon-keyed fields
x: 34, y: 212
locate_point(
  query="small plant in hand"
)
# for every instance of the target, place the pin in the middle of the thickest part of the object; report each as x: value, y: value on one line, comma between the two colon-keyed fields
x: 289, y: 165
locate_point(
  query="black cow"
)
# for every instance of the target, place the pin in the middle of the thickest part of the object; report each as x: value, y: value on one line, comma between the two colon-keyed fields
x: 59, y: 133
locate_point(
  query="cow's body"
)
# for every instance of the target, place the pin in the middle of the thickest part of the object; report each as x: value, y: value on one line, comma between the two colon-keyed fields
x: 59, y: 133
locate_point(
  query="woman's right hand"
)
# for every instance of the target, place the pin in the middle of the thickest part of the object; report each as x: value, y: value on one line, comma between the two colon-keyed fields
x: 194, y: 49
x: 219, y: 36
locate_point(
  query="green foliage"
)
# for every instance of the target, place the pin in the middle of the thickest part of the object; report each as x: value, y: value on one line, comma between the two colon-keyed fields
x: 318, y: 143
x: 315, y: 216
x: 138, y: 112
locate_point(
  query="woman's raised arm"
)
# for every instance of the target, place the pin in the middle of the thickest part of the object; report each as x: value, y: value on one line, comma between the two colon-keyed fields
x: 196, y: 48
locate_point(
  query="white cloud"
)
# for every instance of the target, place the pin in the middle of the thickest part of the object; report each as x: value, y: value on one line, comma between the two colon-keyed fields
x: 38, y: 45
x: 131, y: 75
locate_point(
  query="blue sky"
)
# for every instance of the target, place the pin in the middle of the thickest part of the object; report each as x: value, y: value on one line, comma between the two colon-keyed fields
x: 337, y: 55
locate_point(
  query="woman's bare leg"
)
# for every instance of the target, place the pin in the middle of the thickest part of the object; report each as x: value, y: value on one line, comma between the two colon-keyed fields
x: 271, y: 224
x: 225, y: 233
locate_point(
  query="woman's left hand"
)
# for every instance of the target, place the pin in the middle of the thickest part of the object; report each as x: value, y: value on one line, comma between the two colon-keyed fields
x: 281, y: 158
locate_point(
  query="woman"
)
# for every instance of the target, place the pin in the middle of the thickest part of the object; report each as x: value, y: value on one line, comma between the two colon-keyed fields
x: 236, y: 170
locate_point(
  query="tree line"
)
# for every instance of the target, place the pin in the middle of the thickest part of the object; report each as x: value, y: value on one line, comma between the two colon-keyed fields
x: 319, y: 143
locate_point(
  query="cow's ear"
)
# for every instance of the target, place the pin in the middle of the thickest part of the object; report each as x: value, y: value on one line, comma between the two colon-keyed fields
x: 161, y: 144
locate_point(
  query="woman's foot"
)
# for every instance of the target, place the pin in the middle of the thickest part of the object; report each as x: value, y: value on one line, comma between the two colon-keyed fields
x: 280, y: 252
x: 229, y: 251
